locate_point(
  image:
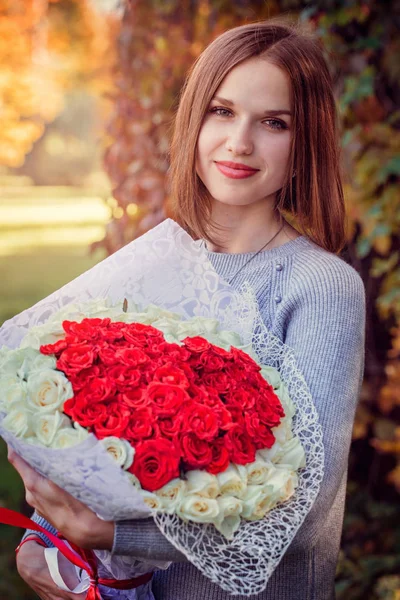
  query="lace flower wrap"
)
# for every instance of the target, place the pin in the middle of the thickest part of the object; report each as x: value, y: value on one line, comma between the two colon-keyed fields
x: 167, y: 268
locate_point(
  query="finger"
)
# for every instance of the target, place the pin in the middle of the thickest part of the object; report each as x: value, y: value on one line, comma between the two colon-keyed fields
x: 29, y: 476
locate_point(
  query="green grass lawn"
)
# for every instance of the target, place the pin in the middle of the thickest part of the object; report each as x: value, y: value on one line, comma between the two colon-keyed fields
x: 25, y: 279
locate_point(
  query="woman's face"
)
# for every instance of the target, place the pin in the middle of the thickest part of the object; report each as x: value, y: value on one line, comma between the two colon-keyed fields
x: 245, y: 139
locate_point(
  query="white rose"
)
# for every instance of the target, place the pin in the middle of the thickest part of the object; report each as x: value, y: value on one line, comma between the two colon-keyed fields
x: 202, y: 483
x: 271, y: 375
x: 233, y: 481
x: 41, y: 363
x: 45, y: 426
x: 197, y: 326
x: 258, y: 471
x: 287, y: 404
x: 291, y: 453
x: 283, y: 432
x: 17, y: 362
x: 120, y: 450
x: 230, y: 506
x: 228, y: 338
x: 12, y: 391
x: 171, y: 494
x: 68, y: 437
x: 291, y: 484
x: 19, y: 421
x: 49, y: 333
x: 249, y: 349
x: 257, y: 501
x: 48, y: 390
x: 198, y: 509
x: 167, y: 326
x: 152, y: 501
x: 155, y: 312
x: 134, y: 480
x: 228, y: 526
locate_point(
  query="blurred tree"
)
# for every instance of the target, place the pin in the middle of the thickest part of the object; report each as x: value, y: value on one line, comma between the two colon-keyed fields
x: 46, y: 47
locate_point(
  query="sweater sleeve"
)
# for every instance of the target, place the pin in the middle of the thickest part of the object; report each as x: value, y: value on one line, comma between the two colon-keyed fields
x: 46, y: 525
x: 325, y: 325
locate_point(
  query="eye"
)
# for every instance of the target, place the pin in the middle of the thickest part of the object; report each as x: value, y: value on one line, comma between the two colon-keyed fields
x: 220, y: 111
x: 275, y: 124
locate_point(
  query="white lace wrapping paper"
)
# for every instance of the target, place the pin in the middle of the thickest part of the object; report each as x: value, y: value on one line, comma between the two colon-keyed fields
x: 167, y: 268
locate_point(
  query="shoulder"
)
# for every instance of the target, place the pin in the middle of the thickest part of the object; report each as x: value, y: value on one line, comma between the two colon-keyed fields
x: 320, y: 276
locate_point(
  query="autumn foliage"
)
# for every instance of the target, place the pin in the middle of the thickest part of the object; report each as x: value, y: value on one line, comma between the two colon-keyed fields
x: 46, y: 48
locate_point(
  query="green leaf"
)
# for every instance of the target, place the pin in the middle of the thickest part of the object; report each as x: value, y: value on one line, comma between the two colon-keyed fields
x: 392, y: 167
x: 363, y: 247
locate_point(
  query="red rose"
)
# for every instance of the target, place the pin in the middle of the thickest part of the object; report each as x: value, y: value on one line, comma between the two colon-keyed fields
x: 220, y: 457
x: 237, y: 415
x: 99, y: 389
x: 79, y: 380
x: 165, y: 399
x: 240, y: 397
x: 139, y: 333
x: 170, y: 427
x: 83, y: 412
x: 87, y: 329
x: 156, y: 463
x: 219, y: 381
x: 75, y: 358
x: 240, y: 446
x: 201, y: 420
x: 171, y: 375
x: 269, y: 407
x: 174, y: 352
x: 211, y: 361
x: 226, y: 355
x: 141, y: 425
x: 131, y: 357
x: 196, y: 453
x: 107, y: 355
x: 241, y: 358
x: 196, y: 344
x: 113, y: 332
x: 114, y: 422
x: 124, y: 377
x: 260, y: 433
x: 135, y: 398
x: 224, y: 416
x: 56, y: 348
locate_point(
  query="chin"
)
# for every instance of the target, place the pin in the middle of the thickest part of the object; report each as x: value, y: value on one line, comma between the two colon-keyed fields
x: 231, y: 200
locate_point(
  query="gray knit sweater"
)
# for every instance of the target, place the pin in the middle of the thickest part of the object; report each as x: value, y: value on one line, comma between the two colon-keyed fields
x: 315, y: 303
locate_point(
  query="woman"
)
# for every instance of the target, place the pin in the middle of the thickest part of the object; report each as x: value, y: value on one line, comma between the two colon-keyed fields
x: 255, y: 138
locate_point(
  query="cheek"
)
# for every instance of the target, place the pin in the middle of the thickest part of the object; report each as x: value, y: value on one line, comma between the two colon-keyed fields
x: 208, y: 140
x: 277, y: 152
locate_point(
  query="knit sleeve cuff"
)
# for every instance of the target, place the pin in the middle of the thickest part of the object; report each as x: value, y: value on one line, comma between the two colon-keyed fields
x: 142, y: 539
x: 46, y: 525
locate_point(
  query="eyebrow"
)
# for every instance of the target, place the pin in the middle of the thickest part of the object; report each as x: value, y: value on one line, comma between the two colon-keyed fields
x: 274, y: 113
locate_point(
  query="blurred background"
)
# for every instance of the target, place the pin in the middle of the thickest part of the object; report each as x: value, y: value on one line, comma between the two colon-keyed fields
x: 88, y: 89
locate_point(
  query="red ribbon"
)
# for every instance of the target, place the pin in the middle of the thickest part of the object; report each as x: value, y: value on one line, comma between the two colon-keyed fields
x: 85, y: 559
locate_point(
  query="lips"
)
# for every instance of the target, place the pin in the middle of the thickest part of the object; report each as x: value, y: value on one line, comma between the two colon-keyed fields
x: 235, y: 170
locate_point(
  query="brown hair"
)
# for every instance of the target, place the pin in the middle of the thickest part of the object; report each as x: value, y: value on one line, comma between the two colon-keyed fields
x: 314, y: 196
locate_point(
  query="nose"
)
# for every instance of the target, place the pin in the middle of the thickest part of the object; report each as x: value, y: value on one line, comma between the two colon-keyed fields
x: 239, y: 140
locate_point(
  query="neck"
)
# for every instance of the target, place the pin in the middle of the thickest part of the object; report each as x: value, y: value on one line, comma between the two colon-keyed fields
x: 241, y: 229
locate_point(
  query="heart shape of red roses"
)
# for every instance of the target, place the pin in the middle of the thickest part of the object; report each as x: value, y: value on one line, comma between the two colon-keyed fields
x: 182, y: 407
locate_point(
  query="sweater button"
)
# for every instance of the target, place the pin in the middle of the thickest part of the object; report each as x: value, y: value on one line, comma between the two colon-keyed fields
x: 278, y: 299
x: 279, y: 267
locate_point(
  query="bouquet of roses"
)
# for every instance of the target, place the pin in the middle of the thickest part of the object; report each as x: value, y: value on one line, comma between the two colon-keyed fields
x: 177, y: 408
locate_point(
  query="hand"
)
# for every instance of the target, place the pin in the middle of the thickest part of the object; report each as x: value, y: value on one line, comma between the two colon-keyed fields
x: 73, y: 519
x: 32, y: 567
